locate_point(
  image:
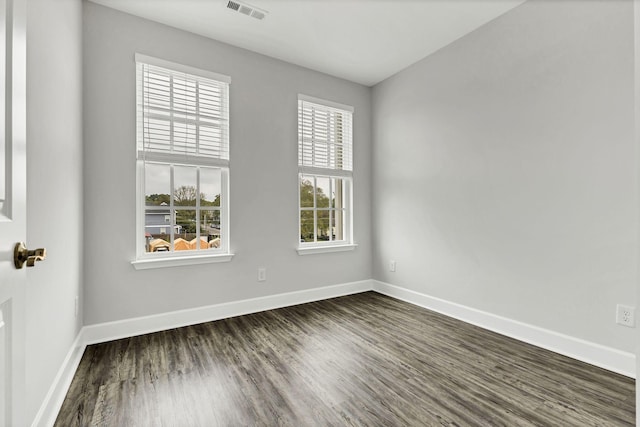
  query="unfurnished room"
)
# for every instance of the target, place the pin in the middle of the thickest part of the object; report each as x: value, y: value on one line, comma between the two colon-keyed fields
x: 319, y: 212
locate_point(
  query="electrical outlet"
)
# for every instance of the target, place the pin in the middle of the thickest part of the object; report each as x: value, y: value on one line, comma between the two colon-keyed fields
x: 626, y: 315
x: 392, y: 265
x: 76, y: 306
x: 262, y: 274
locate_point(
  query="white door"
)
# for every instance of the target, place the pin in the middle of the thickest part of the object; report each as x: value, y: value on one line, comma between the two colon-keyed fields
x: 13, y: 195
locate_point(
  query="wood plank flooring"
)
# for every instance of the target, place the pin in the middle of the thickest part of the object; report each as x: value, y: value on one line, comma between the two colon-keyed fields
x: 359, y: 360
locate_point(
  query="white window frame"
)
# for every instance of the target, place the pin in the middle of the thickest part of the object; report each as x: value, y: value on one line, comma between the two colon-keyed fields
x: 146, y: 260
x: 346, y: 175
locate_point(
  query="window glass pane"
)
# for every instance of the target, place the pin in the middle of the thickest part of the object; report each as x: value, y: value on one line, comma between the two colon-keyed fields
x: 185, y: 234
x: 157, y: 134
x: 211, y: 141
x: 323, y: 225
x: 210, y: 186
x: 201, y: 244
x: 323, y: 190
x: 157, y: 226
x: 337, y: 221
x: 213, y: 221
x: 215, y: 242
x: 173, y: 108
x: 157, y: 91
x: 181, y: 113
x: 336, y: 193
x: 184, y: 97
x: 210, y: 229
x: 184, y: 136
x: 184, y: 185
x: 306, y: 191
x: 324, y: 142
x: 324, y: 136
x: 157, y: 182
x: 306, y: 226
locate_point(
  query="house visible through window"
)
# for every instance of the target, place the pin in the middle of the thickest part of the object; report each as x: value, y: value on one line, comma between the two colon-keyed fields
x: 183, y: 160
x: 325, y: 169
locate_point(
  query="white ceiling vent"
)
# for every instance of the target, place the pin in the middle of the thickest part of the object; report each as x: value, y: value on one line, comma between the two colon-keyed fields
x: 246, y: 9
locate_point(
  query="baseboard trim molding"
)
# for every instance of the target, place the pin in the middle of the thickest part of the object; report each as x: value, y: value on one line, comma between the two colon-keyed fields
x: 605, y: 357
x: 109, y: 331
x: 595, y: 354
x: 52, y: 403
x: 103, y: 332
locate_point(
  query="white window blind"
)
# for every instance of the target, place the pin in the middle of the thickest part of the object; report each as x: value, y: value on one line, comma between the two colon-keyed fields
x: 324, y: 136
x: 183, y: 115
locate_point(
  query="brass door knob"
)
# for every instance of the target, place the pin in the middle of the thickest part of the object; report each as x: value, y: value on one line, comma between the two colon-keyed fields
x: 21, y: 255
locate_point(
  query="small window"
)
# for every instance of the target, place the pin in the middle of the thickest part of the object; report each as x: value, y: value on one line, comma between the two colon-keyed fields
x: 183, y: 160
x: 325, y: 171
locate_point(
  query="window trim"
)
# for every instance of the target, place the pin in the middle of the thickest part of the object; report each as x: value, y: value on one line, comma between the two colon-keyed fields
x: 322, y: 249
x: 181, y: 68
x: 347, y: 243
x: 326, y: 103
x: 222, y: 254
x: 143, y: 259
x: 348, y: 217
x: 145, y: 264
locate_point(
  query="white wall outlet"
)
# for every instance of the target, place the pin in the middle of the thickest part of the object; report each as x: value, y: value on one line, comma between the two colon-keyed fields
x: 262, y: 274
x: 76, y: 306
x: 626, y: 315
x: 392, y: 265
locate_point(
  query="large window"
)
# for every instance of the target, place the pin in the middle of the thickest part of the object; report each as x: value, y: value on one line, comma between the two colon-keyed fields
x: 325, y: 169
x: 183, y: 161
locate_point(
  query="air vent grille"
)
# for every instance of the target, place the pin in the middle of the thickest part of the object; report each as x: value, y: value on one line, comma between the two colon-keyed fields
x: 257, y: 14
x: 247, y: 9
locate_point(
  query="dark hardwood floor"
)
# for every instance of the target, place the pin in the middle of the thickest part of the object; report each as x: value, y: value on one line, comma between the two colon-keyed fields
x: 364, y: 359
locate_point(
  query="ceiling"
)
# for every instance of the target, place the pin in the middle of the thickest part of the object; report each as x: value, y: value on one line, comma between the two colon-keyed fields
x: 364, y: 41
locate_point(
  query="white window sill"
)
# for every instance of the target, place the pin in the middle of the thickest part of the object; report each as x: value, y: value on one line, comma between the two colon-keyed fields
x: 311, y: 250
x: 145, y: 264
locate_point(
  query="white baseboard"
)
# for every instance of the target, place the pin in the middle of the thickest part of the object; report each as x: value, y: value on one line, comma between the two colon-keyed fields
x: 595, y: 354
x: 52, y: 403
x: 605, y: 357
x: 103, y: 332
x: 143, y: 325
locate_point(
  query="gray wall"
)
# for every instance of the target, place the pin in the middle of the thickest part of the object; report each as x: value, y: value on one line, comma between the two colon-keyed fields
x: 505, y: 170
x: 263, y: 174
x: 54, y: 185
